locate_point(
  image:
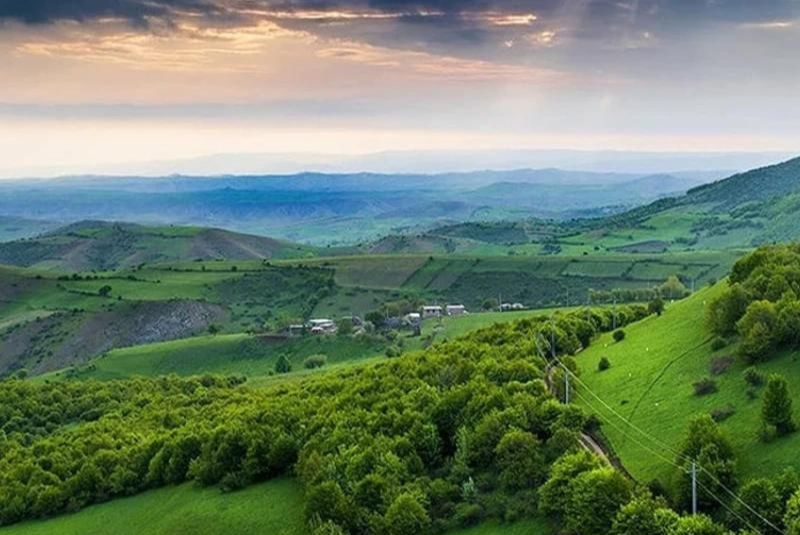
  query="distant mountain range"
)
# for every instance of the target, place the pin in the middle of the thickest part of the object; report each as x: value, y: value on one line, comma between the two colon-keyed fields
x: 425, y: 162
x: 744, y: 210
x: 324, y: 209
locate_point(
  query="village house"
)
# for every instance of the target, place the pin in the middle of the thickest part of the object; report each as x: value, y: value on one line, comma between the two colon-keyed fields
x: 322, y: 326
x: 431, y: 311
x: 456, y: 310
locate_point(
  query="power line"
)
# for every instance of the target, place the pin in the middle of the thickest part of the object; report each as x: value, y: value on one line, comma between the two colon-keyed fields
x: 661, y: 444
x: 728, y: 508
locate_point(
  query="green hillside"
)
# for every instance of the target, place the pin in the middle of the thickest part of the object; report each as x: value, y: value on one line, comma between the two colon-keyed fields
x: 536, y: 281
x: 50, y: 321
x: 742, y: 211
x: 650, y: 384
x: 98, y: 245
x: 271, y: 508
x: 275, y: 508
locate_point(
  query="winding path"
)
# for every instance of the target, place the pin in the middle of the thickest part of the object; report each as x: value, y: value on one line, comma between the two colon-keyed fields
x: 588, y: 442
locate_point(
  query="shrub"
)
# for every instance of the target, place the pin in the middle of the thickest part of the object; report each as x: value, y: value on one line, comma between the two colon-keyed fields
x: 283, y: 365
x: 720, y: 365
x: 468, y: 514
x: 619, y: 335
x: 704, y: 386
x: 718, y: 343
x: 753, y: 377
x: 656, y: 306
x: 315, y: 361
x: 604, y: 364
x: 723, y: 413
x: 393, y: 351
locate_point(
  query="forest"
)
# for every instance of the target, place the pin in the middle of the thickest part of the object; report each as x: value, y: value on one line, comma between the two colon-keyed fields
x: 465, y: 429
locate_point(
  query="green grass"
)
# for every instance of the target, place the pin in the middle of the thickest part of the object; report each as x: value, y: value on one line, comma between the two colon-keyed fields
x: 650, y: 384
x: 455, y: 326
x: 273, y: 508
x: 239, y: 354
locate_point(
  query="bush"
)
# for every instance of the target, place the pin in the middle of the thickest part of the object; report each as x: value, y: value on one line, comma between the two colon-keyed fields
x: 468, y: 514
x: 619, y: 335
x: 283, y: 365
x: 723, y: 413
x: 753, y: 377
x: 604, y: 364
x: 315, y: 361
x: 704, y: 386
x: 393, y: 351
x: 718, y: 343
x: 720, y: 365
x: 656, y: 306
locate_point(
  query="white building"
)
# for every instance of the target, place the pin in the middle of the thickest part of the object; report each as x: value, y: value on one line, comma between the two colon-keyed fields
x: 413, y: 317
x: 322, y: 326
x: 431, y: 311
x: 456, y: 310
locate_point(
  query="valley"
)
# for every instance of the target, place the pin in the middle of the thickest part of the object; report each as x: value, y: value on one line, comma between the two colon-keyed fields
x: 200, y: 340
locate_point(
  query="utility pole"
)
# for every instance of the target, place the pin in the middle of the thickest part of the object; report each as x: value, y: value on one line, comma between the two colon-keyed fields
x: 566, y: 386
x: 552, y: 339
x: 694, y: 488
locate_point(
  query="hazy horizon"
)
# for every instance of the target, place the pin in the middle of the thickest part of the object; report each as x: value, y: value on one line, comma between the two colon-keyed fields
x: 92, y: 84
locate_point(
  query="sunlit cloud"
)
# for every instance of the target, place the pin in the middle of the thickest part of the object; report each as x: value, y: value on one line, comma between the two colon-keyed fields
x: 432, y: 66
x: 771, y: 25
x: 185, y: 47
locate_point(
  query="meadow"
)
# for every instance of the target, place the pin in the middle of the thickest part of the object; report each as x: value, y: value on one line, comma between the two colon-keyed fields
x: 271, y: 508
x: 650, y: 384
x: 274, y: 508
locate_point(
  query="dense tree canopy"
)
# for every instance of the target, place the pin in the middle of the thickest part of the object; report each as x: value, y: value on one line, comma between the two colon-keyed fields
x: 761, y: 303
x: 407, y: 444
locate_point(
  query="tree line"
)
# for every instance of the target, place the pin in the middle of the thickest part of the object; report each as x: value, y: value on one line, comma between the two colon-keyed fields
x: 463, y: 430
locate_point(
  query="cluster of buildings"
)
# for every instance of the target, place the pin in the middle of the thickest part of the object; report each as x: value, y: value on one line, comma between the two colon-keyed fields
x: 317, y: 327
x: 324, y: 326
x: 437, y: 311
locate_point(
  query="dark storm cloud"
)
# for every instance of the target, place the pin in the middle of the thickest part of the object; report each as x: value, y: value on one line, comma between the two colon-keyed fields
x: 460, y: 27
x: 45, y: 11
x: 135, y: 11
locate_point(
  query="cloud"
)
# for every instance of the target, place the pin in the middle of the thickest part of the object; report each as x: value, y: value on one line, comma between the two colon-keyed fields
x: 429, y: 66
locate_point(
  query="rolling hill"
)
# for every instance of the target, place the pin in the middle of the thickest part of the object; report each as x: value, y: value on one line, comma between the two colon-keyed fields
x: 101, y: 246
x: 739, y: 212
x: 650, y: 384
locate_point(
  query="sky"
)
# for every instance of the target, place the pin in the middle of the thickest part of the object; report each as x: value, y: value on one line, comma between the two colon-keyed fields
x: 85, y: 82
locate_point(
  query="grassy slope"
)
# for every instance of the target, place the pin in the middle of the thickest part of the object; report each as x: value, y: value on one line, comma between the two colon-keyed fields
x: 254, y: 357
x: 650, y: 383
x: 223, y: 354
x: 274, y: 508
x: 101, y: 245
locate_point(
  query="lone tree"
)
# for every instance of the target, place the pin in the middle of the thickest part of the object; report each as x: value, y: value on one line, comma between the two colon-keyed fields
x: 104, y: 291
x: 656, y: 306
x: 776, y: 410
x: 283, y: 365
